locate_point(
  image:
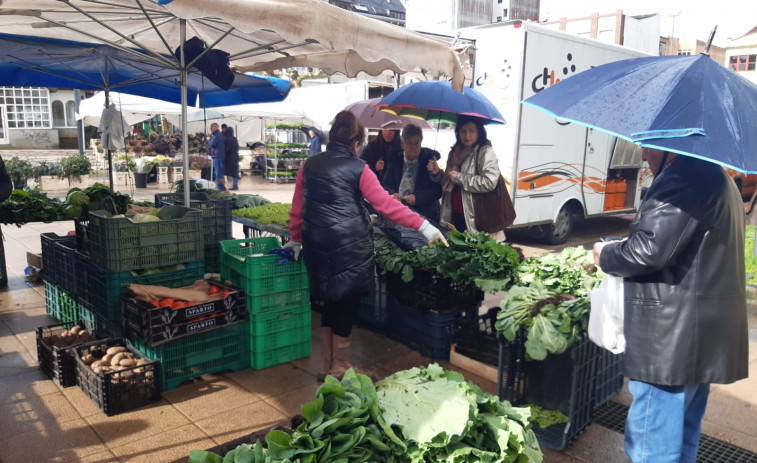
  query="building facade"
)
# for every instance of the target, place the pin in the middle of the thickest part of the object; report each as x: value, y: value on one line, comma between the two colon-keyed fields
x: 37, y: 118
x: 741, y: 55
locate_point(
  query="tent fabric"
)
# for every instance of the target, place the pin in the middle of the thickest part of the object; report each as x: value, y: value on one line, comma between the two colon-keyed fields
x: 251, y: 31
x: 34, y: 61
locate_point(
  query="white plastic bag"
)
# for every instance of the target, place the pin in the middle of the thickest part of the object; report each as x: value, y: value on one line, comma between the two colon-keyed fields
x: 606, y: 317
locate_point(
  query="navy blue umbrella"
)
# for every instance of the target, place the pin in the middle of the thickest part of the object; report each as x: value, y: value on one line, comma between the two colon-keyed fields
x: 436, y: 100
x: 34, y: 61
x: 684, y: 104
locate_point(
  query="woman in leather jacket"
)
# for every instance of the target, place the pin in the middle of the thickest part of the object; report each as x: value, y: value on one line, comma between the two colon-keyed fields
x: 685, y: 305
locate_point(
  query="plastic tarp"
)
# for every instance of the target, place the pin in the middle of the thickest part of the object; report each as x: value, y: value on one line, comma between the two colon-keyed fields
x: 256, y: 33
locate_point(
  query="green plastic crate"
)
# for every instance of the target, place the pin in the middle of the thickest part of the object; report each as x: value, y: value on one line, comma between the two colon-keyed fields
x: 52, y: 304
x: 100, y: 289
x: 60, y: 305
x: 237, y: 257
x: 280, y: 320
x: 280, y: 339
x: 269, y: 358
x: 216, y: 214
x: 277, y: 301
x: 96, y: 323
x: 204, y: 353
x: 118, y: 244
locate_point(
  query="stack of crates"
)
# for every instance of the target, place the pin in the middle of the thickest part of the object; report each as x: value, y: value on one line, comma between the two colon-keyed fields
x: 59, y: 256
x: 216, y: 222
x: 278, y: 299
x: 122, y: 252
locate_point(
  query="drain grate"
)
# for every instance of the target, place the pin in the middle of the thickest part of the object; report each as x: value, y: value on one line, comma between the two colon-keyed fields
x: 612, y: 415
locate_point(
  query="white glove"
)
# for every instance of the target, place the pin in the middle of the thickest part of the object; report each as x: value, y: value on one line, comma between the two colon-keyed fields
x: 295, y: 246
x: 432, y: 233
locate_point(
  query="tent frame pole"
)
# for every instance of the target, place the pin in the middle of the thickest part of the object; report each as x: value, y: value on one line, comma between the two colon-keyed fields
x: 184, y: 135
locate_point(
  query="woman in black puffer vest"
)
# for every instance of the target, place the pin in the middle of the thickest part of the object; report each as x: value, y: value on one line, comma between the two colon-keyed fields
x: 330, y: 223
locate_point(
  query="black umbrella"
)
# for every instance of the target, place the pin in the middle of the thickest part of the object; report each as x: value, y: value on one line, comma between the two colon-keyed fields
x: 307, y: 128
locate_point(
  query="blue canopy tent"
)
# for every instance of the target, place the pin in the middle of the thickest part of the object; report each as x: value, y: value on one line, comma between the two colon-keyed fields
x: 44, y: 62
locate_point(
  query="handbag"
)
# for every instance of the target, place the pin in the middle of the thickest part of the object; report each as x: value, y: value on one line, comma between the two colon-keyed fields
x: 606, y: 316
x: 493, y: 211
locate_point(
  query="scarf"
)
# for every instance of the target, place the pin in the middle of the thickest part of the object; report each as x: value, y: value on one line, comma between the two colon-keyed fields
x: 457, y: 156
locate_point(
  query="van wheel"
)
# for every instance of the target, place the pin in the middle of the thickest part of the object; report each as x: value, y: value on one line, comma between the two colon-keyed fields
x: 559, y: 231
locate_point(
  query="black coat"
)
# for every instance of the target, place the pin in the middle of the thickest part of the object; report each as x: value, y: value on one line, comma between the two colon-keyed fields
x: 683, y: 263
x: 231, y: 147
x: 427, y: 192
x: 6, y: 185
x: 337, y: 234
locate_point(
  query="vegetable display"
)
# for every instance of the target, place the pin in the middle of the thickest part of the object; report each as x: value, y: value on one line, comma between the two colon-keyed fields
x: 277, y: 213
x: 551, y: 302
x: 354, y: 421
x: 469, y: 258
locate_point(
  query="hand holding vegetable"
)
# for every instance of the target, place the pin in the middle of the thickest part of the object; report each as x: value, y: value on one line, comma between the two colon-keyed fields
x: 432, y: 233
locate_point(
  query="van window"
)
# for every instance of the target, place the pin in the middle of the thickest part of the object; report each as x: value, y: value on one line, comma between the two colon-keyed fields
x: 625, y: 155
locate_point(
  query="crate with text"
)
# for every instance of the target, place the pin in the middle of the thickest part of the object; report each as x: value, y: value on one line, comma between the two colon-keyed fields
x: 167, y: 318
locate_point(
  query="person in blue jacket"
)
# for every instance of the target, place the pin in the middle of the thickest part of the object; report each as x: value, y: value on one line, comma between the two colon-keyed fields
x: 218, y: 153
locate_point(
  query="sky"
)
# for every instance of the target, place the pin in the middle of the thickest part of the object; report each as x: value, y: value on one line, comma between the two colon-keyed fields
x: 686, y: 19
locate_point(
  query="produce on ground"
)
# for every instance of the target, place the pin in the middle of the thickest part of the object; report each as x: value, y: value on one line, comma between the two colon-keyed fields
x: 469, y: 258
x: 71, y: 337
x: 115, y: 358
x: 551, y: 303
x: 545, y: 418
x: 354, y: 421
x: 274, y: 213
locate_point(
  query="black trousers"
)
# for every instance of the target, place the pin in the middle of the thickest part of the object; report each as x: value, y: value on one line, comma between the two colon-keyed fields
x: 339, y: 315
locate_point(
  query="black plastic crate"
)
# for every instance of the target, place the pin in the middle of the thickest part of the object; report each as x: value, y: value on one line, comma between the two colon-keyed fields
x: 609, y: 374
x: 430, y: 333
x: 216, y: 214
x: 115, y: 392
x: 563, y: 383
x: 373, y: 311
x: 213, y: 258
x: 431, y: 291
x: 65, y: 265
x: 58, y: 362
x: 476, y: 337
x: 51, y: 270
x: 80, y: 227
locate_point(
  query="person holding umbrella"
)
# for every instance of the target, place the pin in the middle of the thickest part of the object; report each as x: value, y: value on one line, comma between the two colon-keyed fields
x: 380, y: 149
x: 472, y: 168
x: 315, y: 141
x: 685, y: 317
x: 330, y: 223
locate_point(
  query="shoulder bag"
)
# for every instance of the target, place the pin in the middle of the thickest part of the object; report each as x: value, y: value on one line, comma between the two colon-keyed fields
x: 493, y: 211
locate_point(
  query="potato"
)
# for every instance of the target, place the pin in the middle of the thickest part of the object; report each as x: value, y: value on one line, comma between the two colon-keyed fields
x: 88, y: 359
x: 117, y: 358
x: 127, y: 362
x: 142, y: 362
x: 101, y: 369
x: 107, y: 358
x: 75, y: 330
x: 116, y: 349
x: 96, y: 364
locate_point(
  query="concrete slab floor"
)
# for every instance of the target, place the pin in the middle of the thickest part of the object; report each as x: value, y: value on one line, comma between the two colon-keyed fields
x: 219, y: 408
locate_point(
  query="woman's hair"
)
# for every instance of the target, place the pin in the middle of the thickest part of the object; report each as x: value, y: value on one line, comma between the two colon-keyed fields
x: 462, y: 120
x: 346, y: 129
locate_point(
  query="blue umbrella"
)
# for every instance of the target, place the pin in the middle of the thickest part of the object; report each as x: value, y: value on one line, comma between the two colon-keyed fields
x: 684, y: 104
x: 34, y: 61
x: 436, y: 100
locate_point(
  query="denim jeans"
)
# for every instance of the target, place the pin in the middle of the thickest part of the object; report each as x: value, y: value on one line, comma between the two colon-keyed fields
x: 218, y: 172
x: 664, y: 422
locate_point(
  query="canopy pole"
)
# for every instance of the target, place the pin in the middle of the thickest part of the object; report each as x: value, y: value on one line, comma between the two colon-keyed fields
x: 107, y: 104
x: 184, y: 135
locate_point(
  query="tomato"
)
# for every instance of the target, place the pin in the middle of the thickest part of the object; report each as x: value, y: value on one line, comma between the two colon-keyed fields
x: 226, y: 293
x: 178, y: 305
x: 214, y: 289
x: 156, y: 303
x: 189, y: 304
x: 167, y: 302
